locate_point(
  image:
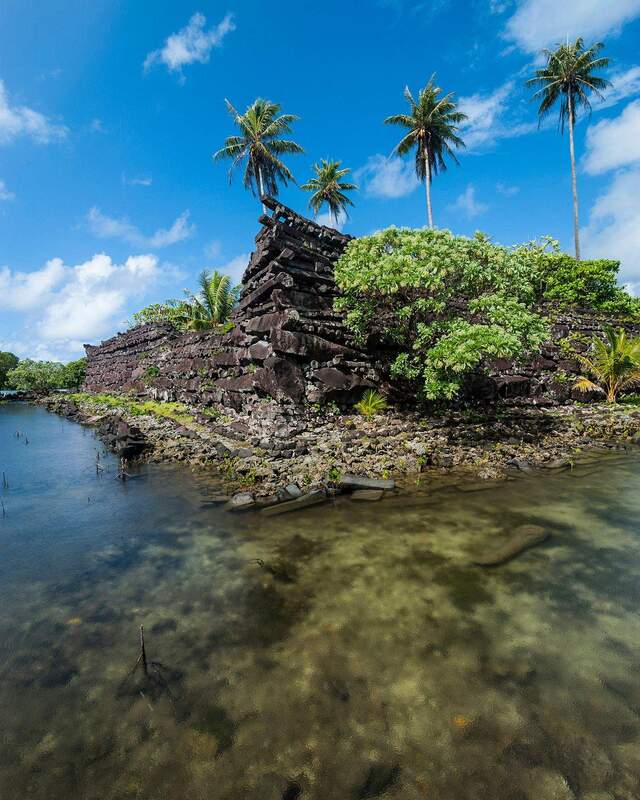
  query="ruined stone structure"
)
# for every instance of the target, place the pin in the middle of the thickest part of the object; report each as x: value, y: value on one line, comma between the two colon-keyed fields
x: 289, y: 344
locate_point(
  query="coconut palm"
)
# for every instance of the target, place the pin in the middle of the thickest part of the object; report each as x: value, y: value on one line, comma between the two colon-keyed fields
x: 569, y: 78
x: 213, y: 303
x: 328, y: 189
x: 260, y: 145
x: 614, y: 365
x: 433, y: 125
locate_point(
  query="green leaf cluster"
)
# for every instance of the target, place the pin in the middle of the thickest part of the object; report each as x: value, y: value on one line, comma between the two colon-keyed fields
x: 445, y: 304
x: 8, y: 361
x: 45, y: 376
x: 588, y: 284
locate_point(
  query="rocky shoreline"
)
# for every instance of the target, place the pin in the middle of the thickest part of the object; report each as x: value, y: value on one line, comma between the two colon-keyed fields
x: 272, y: 457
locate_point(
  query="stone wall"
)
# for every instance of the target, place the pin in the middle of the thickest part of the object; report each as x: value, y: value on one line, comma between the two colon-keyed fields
x: 289, y: 344
x: 548, y: 378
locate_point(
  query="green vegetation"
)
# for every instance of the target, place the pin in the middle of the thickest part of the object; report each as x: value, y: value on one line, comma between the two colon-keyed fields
x: 261, y: 146
x: 568, y: 78
x: 587, y: 284
x: 213, y: 304
x: 173, y: 312
x: 432, y: 131
x: 7, y: 362
x: 447, y: 303
x: 208, y: 309
x: 179, y: 412
x: 329, y: 189
x: 45, y: 376
x: 372, y: 403
x: 613, y: 365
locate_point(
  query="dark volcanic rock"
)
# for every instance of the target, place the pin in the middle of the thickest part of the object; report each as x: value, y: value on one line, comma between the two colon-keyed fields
x: 524, y: 537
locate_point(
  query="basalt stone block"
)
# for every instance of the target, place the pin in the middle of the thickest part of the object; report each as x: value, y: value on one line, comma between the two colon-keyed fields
x: 260, y: 350
x: 309, y: 345
x: 272, y: 322
x: 281, y: 377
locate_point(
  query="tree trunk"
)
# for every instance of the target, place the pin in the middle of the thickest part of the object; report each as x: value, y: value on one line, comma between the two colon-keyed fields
x: 427, y: 181
x: 574, y: 183
x: 261, y: 189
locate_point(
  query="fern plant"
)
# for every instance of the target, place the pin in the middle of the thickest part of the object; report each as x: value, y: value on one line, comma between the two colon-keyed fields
x: 372, y: 403
x: 613, y: 365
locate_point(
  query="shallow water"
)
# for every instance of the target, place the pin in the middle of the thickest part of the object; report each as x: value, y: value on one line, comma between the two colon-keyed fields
x: 347, y: 651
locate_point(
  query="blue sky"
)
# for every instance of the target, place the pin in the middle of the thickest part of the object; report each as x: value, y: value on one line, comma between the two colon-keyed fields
x: 109, y: 115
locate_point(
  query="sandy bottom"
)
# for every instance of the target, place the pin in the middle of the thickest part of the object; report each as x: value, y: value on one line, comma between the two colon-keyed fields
x: 347, y: 651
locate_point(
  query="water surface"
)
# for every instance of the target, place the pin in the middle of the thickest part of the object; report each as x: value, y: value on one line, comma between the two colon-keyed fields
x: 347, y: 651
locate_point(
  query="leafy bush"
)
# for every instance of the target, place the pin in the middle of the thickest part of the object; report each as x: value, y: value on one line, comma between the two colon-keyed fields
x: 76, y: 371
x: 38, y: 376
x: 588, y: 284
x: 614, y: 365
x: 446, y: 304
x: 173, y: 312
x: 7, y: 362
x: 372, y: 403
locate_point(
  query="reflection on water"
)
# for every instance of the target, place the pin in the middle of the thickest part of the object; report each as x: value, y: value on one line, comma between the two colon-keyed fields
x: 349, y: 651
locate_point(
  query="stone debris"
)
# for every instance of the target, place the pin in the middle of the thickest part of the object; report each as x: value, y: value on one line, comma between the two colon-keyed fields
x: 242, y: 501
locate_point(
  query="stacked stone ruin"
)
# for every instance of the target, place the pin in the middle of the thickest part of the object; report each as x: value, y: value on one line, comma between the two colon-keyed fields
x: 287, y: 342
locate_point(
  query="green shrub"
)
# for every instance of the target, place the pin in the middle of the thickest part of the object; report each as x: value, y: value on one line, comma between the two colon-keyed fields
x: 447, y: 304
x: 372, y: 403
x: 588, y: 284
x: 46, y: 376
x: 7, y: 362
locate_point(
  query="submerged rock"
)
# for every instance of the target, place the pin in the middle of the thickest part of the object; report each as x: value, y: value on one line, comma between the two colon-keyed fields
x: 357, y: 482
x: 524, y: 537
x: 379, y: 778
x: 241, y: 501
x: 367, y: 494
x: 311, y: 499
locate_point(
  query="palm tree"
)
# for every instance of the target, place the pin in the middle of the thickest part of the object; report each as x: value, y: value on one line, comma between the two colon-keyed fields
x: 613, y: 365
x: 213, y: 303
x: 568, y: 77
x: 260, y: 145
x: 433, y: 125
x: 328, y: 189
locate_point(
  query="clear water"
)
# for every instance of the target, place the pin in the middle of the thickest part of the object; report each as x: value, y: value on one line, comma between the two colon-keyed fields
x: 347, y: 651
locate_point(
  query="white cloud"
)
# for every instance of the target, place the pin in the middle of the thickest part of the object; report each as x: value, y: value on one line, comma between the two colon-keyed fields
x: 235, y: 267
x: 16, y: 121
x: 107, y: 227
x: 20, y: 291
x: 506, y: 190
x: 213, y: 249
x: 486, y: 114
x: 542, y: 23
x: 143, y: 180
x: 614, y: 143
x: 190, y: 44
x: 96, y: 125
x: 624, y: 84
x: 467, y: 204
x: 327, y: 219
x: 5, y: 194
x: 614, y: 226
x: 387, y: 177
x: 68, y: 305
